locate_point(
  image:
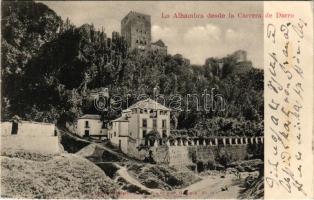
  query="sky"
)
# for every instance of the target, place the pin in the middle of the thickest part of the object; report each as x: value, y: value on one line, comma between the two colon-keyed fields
x: 195, y: 39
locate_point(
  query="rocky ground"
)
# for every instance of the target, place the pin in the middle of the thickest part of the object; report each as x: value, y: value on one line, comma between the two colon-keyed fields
x: 24, y: 175
x: 99, y: 172
x: 162, y: 176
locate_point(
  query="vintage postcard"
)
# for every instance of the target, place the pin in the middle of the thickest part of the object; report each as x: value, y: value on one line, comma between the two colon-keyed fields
x: 157, y: 100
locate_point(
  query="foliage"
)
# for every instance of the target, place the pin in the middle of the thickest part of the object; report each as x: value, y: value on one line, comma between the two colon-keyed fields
x: 50, y: 68
x: 153, y: 135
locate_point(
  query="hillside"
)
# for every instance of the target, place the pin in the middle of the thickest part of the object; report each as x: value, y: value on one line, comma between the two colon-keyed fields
x: 63, y: 176
x: 50, y: 68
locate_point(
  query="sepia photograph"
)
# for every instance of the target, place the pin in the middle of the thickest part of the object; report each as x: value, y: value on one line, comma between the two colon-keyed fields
x: 132, y: 99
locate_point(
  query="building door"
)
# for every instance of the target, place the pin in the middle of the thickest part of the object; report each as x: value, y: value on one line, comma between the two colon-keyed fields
x: 14, y: 129
x: 86, y: 133
x: 119, y: 144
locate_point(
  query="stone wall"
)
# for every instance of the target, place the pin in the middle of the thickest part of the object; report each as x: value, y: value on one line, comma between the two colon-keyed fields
x: 187, y: 155
x: 182, y: 152
x: 134, y: 151
x: 161, y: 154
x: 179, y: 156
x: 215, y: 150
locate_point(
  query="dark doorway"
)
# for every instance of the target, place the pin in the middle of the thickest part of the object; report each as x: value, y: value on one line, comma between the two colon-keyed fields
x: 200, y: 166
x: 119, y: 144
x: 15, y: 127
x: 86, y: 134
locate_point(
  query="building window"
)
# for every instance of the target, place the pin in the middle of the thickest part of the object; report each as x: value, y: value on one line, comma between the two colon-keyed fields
x: 155, y: 123
x: 153, y: 113
x: 164, y: 133
x: 144, y: 133
x: 114, y: 134
x: 130, y: 133
x: 86, y: 124
x: 145, y: 123
x: 136, y: 42
x: 164, y: 123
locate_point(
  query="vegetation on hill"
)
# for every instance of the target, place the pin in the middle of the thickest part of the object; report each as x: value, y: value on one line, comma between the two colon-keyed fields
x: 63, y: 176
x: 50, y: 67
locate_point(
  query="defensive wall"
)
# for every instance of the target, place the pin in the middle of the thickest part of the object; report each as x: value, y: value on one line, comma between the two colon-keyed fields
x: 185, y: 152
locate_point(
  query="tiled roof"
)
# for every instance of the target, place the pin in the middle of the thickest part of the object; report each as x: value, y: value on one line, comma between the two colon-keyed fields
x: 149, y: 104
x: 90, y: 116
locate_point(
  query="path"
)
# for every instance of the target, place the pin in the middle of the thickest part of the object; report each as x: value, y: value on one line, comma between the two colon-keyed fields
x: 100, y: 145
x: 210, y: 187
x: 123, y: 172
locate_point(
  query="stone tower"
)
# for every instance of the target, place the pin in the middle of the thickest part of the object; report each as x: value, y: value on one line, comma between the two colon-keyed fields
x: 136, y: 29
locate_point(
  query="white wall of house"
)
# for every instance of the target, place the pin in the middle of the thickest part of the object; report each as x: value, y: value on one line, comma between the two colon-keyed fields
x: 37, y: 144
x: 6, y: 128
x: 90, y: 126
x: 118, y: 134
x: 130, y: 125
x: 30, y: 136
x: 29, y: 128
x: 136, y: 123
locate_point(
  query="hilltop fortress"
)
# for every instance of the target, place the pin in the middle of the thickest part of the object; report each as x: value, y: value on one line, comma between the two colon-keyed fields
x: 136, y: 29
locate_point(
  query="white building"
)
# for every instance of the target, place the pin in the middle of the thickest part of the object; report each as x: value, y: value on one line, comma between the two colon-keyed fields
x: 137, y: 121
x: 29, y: 136
x: 89, y: 125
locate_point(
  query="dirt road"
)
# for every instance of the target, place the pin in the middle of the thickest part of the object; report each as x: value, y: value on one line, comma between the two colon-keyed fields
x: 211, y: 187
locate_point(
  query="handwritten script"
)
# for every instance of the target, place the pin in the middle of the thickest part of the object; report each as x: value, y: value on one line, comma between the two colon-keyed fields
x: 285, y: 83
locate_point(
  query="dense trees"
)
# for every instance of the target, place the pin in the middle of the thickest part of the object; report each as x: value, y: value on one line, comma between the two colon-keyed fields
x: 49, y: 68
